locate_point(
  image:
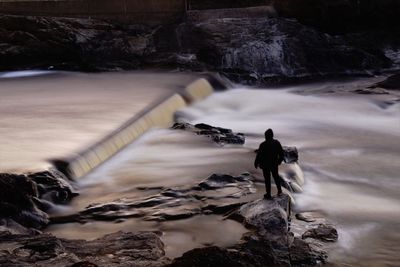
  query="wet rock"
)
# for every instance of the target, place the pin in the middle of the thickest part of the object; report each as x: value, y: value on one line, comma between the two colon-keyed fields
x: 209, y: 256
x: 53, y: 187
x: 265, y: 50
x: 16, y: 201
x: 215, y: 194
x: 269, y: 217
x: 290, y: 154
x: 219, y: 135
x: 117, y: 249
x: 303, y: 254
x: 390, y: 83
x: 216, y: 181
x: 323, y: 232
x: 24, y: 199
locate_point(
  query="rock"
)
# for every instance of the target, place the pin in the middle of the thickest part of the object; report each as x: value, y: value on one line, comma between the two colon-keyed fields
x: 302, y: 254
x: 390, y: 83
x: 117, y: 249
x: 290, y: 154
x: 323, y: 232
x: 269, y: 217
x: 53, y: 187
x: 25, y: 198
x: 252, y: 49
x: 208, y: 256
x: 263, y: 50
x: 219, y: 135
x: 74, y: 44
x: 16, y: 201
x: 217, y: 194
x: 217, y: 181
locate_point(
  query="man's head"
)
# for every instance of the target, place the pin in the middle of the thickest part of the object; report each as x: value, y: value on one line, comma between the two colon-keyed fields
x: 269, y: 134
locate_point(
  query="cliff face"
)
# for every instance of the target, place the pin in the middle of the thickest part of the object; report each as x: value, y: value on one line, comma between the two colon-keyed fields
x: 339, y: 16
x: 309, y: 39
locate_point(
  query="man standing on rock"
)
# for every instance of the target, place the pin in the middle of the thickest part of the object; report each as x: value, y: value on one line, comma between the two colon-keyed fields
x: 269, y: 157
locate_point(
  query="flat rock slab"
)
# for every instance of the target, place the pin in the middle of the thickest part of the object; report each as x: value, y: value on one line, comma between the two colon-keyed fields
x: 117, y: 249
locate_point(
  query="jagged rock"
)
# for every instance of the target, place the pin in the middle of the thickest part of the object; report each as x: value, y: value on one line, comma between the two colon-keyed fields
x: 303, y: 255
x: 53, y: 187
x: 269, y: 217
x: 24, y: 199
x: 290, y: 154
x: 217, y: 134
x: 117, y: 249
x: 213, y: 195
x: 16, y: 201
x: 262, y: 50
x: 323, y: 232
x: 65, y: 43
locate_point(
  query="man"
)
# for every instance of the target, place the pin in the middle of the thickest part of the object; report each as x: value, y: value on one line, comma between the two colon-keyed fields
x: 269, y: 157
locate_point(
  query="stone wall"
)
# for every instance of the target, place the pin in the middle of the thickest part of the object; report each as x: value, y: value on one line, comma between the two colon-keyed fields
x: 151, y: 12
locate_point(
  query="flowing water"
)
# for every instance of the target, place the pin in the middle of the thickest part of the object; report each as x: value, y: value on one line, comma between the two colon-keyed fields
x: 349, y: 148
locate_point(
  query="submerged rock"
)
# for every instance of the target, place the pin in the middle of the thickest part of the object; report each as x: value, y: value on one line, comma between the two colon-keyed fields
x: 219, y: 135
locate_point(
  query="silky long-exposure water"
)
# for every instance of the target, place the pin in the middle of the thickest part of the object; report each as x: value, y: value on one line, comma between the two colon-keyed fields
x: 349, y: 146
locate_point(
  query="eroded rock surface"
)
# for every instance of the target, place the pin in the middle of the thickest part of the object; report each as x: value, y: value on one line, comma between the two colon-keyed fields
x: 25, y: 199
x: 248, y: 49
x: 217, y: 194
x: 117, y: 249
x: 269, y: 242
x: 217, y: 134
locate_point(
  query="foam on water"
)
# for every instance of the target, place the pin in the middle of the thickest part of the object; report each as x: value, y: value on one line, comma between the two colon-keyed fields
x: 349, y: 147
x: 349, y: 151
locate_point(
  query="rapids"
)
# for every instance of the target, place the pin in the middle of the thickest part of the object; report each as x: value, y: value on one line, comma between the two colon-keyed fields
x: 349, y: 150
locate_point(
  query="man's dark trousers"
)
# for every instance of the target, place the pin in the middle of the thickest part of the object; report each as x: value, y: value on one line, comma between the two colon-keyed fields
x: 267, y: 170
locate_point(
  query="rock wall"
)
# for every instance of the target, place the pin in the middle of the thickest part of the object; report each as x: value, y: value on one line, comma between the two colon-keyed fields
x: 151, y: 12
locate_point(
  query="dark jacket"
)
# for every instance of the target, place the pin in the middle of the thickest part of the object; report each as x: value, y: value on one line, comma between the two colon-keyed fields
x: 270, y: 153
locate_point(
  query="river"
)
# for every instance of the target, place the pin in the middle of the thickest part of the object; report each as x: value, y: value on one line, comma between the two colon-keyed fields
x: 349, y: 147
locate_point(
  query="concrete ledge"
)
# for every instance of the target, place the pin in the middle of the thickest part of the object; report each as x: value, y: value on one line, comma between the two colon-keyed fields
x: 159, y: 114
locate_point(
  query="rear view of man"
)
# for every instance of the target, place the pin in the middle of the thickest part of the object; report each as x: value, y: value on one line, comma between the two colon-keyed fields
x: 269, y: 157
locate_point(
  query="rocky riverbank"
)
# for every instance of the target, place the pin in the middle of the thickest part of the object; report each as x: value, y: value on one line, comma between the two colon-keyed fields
x: 275, y: 236
x: 253, y: 50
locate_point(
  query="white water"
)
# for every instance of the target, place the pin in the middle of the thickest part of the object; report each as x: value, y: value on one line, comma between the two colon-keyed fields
x: 349, y: 150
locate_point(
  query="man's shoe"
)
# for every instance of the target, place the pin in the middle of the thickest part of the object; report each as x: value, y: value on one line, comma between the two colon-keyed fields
x: 266, y: 196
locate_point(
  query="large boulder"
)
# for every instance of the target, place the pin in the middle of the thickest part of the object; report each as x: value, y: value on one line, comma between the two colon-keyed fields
x: 25, y: 199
